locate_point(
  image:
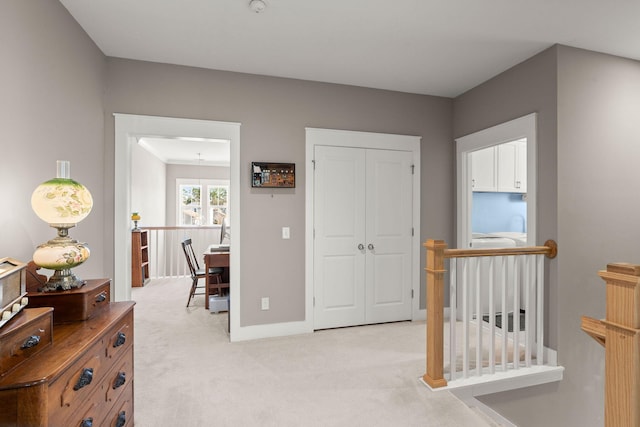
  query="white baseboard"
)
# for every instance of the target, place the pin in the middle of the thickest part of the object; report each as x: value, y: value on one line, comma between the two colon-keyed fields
x: 245, y: 333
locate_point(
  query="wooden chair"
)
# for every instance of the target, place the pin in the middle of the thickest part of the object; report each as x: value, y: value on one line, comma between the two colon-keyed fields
x: 197, y: 273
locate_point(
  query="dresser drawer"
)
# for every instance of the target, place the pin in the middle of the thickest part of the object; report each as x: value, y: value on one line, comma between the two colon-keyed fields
x: 76, y: 384
x: 120, y: 338
x: 121, y: 414
x: 88, y: 414
x: 26, y: 335
x: 119, y: 378
x: 76, y: 304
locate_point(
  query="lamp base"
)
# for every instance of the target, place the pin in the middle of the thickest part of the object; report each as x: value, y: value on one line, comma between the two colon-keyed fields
x: 61, y: 254
x: 62, y: 280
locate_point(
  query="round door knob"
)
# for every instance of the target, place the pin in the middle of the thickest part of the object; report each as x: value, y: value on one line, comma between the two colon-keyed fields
x: 370, y: 246
x: 361, y: 246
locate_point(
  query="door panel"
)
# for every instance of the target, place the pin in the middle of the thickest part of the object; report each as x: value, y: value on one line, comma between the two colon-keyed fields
x: 389, y: 221
x: 339, y: 229
x: 362, y: 197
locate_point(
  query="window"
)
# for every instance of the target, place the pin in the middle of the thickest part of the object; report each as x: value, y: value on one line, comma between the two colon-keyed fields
x: 190, y: 209
x: 202, y: 202
x: 218, y: 202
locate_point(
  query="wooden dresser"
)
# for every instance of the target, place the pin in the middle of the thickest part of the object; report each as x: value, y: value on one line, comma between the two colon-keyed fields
x: 83, y: 378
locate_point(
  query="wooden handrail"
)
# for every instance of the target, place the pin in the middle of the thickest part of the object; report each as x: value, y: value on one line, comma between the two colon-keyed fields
x: 550, y: 250
x: 436, y: 253
x: 619, y: 333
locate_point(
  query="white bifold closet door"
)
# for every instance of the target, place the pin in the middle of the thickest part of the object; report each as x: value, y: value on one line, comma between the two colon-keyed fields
x: 363, y: 234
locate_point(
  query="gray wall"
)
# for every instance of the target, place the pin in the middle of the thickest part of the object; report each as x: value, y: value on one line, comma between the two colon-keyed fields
x: 526, y: 88
x: 598, y: 103
x: 274, y: 113
x: 148, y: 187
x: 52, y: 83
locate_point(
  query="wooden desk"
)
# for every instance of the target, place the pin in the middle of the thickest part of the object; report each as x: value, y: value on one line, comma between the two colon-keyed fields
x: 215, y: 259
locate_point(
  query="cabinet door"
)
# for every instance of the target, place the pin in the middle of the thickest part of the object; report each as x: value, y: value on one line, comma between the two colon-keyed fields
x: 512, y: 167
x: 507, y: 168
x: 521, y: 166
x: 483, y: 170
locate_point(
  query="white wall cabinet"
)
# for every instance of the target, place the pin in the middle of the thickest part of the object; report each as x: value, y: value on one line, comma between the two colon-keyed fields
x: 512, y: 167
x: 484, y: 176
x: 502, y: 168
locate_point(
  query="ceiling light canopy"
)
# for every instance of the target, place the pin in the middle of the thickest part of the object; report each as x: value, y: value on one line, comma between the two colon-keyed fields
x: 257, y: 5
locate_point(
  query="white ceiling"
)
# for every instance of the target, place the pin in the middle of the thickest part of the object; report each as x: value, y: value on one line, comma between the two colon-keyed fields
x: 431, y: 47
x: 434, y: 47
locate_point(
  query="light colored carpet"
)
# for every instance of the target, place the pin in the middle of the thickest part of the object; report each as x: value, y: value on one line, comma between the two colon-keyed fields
x: 187, y: 373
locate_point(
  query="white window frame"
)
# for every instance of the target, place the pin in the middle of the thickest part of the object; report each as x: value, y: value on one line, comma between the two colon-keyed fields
x: 205, y: 207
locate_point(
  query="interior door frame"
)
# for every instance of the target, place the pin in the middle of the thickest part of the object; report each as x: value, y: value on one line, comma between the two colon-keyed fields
x: 358, y: 139
x: 522, y: 127
x: 127, y: 128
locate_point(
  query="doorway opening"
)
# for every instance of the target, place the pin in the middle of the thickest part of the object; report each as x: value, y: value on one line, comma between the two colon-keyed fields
x: 128, y: 129
x: 497, y: 171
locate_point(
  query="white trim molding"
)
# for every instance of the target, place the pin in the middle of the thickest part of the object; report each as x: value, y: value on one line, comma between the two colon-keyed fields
x: 128, y: 128
x: 523, y: 127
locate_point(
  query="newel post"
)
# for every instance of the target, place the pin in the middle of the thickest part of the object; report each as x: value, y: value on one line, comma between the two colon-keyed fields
x: 622, y: 345
x: 435, y: 313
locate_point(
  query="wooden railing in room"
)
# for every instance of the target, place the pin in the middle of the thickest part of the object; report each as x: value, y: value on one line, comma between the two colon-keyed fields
x: 165, y: 252
x: 619, y: 333
x: 436, y: 254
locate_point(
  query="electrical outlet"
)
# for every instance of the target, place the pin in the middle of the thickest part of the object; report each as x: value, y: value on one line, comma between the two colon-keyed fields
x: 265, y: 303
x: 286, y: 233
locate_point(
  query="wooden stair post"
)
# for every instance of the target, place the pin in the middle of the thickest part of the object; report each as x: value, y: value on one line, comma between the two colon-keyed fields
x: 435, y: 313
x: 620, y: 335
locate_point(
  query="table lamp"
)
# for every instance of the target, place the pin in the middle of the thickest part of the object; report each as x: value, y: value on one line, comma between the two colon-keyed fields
x: 62, y: 203
x: 135, y: 217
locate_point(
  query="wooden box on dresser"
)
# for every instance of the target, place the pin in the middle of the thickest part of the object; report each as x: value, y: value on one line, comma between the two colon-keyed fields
x: 84, y: 378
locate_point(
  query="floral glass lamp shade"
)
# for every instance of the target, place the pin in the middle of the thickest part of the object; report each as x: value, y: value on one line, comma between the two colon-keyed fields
x: 62, y: 203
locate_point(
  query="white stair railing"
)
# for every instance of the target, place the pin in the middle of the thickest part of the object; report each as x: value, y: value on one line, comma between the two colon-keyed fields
x: 165, y: 251
x: 488, y: 296
x: 485, y: 285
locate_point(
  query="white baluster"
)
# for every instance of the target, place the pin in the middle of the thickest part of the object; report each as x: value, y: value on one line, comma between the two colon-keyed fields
x: 516, y: 313
x: 465, y: 318
x: 540, y: 310
x: 527, y: 310
x: 505, y: 335
x: 453, y: 292
x: 478, y: 287
x: 492, y: 318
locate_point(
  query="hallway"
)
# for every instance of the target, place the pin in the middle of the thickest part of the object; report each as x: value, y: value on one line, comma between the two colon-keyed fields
x: 188, y: 373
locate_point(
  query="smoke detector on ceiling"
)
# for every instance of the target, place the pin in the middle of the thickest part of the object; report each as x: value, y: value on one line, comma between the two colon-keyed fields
x: 257, y: 5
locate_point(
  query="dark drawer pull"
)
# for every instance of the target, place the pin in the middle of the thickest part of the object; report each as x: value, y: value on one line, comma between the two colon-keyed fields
x: 120, y: 379
x: 85, y: 379
x: 101, y: 297
x: 87, y: 422
x: 32, y: 341
x: 122, y: 419
x: 120, y: 339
